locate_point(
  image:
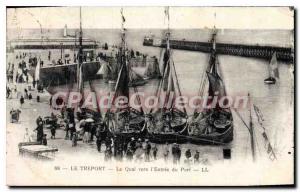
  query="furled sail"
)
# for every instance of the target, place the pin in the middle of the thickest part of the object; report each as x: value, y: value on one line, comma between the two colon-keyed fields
x: 216, y: 86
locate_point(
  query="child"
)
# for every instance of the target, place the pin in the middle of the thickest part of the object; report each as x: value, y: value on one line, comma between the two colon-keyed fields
x: 53, y: 131
x: 44, y: 140
x: 74, y: 139
x: 154, y: 151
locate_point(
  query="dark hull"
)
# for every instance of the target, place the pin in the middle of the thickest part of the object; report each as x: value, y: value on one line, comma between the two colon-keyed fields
x: 270, y: 80
x: 180, y: 138
x: 66, y: 74
x: 139, y: 83
x: 162, y: 138
x: 213, y: 139
x: 126, y: 136
x: 137, y: 127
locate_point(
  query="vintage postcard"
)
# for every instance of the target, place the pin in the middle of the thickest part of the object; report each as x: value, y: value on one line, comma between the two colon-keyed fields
x: 150, y: 96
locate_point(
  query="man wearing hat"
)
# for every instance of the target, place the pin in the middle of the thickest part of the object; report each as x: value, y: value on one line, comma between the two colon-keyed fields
x: 188, y: 155
x: 44, y: 139
x: 108, y: 154
x: 197, y: 157
x: 139, y: 143
x: 154, y: 149
x: 98, y: 140
x: 129, y: 153
x: 166, y: 152
x: 40, y: 132
x: 147, y: 151
x: 132, y: 144
x: 176, y: 152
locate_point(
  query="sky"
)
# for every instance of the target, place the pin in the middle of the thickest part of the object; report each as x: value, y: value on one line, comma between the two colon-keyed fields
x: 153, y: 17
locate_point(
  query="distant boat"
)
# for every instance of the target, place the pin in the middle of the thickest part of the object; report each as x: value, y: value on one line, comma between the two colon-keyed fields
x: 57, y: 75
x: 273, y: 70
x: 152, y: 70
x: 135, y: 79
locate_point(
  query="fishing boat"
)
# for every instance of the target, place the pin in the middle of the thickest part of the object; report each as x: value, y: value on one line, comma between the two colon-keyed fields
x: 109, y: 71
x: 124, y: 121
x: 167, y: 124
x: 152, y: 70
x: 58, y: 73
x: 135, y: 79
x: 212, y: 125
x: 273, y: 70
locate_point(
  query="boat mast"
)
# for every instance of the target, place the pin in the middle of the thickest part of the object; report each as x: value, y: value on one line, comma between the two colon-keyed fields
x: 80, y: 60
x: 251, y: 131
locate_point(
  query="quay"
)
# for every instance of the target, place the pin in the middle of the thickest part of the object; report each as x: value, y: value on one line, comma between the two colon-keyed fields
x: 258, y: 51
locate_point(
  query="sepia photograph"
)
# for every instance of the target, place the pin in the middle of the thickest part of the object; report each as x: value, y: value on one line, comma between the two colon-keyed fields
x: 150, y: 96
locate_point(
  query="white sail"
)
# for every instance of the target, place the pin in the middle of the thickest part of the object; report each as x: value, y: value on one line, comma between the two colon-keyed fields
x: 104, y: 69
x: 37, y: 71
x: 274, y: 72
x: 161, y: 61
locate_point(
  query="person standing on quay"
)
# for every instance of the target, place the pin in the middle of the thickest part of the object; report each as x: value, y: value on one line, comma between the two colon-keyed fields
x: 188, y: 155
x: 27, y: 137
x: 39, y: 120
x: 40, y: 132
x: 166, y: 152
x: 44, y: 139
x: 154, y: 151
x: 74, y: 140
x: 98, y: 139
x: 176, y: 152
x: 197, y: 157
x: 22, y: 100
x: 148, y: 150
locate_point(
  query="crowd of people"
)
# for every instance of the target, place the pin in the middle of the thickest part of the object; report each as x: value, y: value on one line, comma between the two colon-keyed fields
x: 114, y: 147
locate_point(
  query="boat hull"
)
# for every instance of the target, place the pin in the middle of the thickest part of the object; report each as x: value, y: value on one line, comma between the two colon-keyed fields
x: 66, y: 74
x: 213, y: 139
x: 162, y: 137
x: 270, y: 80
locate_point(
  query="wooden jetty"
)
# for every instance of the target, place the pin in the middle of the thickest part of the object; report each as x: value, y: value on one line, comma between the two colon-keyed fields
x: 265, y: 52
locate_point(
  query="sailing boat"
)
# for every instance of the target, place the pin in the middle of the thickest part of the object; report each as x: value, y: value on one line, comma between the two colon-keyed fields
x: 105, y: 71
x: 84, y: 113
x: 169, y: 123
x: 135, y: 79
x: 109, y: 71
x: 273, y: 70
x: 212, y: 126
x: 267, y: 144
x: 152, y: 70
x: 126, y: 121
